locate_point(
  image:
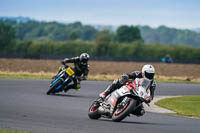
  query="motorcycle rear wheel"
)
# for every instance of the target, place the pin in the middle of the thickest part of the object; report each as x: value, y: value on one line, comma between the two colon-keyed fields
x: 52, y: 89
x: 120, y: 114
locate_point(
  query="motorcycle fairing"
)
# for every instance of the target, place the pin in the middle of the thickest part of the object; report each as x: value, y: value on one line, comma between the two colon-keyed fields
x: 139, y: 87
x: 64, y: 75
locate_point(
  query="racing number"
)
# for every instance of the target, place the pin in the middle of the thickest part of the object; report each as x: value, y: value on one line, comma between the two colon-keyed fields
x: 69, y: 71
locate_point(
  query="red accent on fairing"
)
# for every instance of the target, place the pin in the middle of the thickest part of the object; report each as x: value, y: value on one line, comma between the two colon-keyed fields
x: 113, y: 101
x: 92, y: 109
x: 139, y: 82
x: 134, y: 82
x: 130, y: 86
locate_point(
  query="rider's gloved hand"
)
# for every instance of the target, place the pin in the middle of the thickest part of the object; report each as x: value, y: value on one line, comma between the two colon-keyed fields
x: 65, y: 65
x: 125, y: 77
x: 147, y: 100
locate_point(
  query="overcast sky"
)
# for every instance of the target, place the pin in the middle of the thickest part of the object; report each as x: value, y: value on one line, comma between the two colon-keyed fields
x: 172, y: 13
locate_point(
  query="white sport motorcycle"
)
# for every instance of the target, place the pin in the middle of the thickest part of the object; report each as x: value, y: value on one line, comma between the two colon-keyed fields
x: 123, y: 101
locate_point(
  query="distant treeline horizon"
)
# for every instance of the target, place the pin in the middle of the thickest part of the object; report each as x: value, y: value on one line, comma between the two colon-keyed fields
x: 31, y: 29
x: 37, y: 40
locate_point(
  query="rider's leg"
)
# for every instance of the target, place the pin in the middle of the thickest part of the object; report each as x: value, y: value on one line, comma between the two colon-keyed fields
x: 115, y: 85
x: 139, y: 111
x: 75, y: 85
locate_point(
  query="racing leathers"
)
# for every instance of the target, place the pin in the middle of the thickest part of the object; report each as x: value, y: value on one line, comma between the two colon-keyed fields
x: 120, y: 82
x: 81, y: 72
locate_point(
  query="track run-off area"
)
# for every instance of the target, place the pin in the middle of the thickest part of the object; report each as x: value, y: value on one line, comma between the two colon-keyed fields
x: 24, y: 105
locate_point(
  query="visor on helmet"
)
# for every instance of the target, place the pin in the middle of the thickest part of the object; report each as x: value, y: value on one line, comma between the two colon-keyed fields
x: 149, y: 75
x: 84, y: 61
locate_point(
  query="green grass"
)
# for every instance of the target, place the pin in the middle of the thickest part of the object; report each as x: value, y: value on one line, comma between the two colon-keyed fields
x: 12, y: 131
x: 24, y: 76
x: 184, y: 106
x: 176, y: 81
x: 27, y: 75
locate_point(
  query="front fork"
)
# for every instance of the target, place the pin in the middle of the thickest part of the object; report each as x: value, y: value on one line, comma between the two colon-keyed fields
x: 107, y: 109
x: 64, y: 83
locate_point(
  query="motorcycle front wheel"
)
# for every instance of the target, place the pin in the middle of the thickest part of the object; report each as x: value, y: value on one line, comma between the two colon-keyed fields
x: 93, y: 110
x: 122, y: 112
x: 52, y: 89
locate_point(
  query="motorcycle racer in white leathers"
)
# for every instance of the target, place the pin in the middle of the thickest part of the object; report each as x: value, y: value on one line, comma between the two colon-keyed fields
x: 148, y: 72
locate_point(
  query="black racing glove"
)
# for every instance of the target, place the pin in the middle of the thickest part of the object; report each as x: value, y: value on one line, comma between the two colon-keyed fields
x: 148, y: 101
x: 125, y: 76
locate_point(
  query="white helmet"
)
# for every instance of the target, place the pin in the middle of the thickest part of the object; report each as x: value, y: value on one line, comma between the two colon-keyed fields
x: 148, y: 71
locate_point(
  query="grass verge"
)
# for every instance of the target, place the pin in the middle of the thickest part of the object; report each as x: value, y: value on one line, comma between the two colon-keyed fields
x: 184, y: 106
x: 45, y: 75
x: 12, y: 131
x: 26, y: 75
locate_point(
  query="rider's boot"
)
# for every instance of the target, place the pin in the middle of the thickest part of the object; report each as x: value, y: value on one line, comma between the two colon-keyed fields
x: 139, y: 111
x: 77, y: 87
x: 72, y: 86
x: 66, y: 88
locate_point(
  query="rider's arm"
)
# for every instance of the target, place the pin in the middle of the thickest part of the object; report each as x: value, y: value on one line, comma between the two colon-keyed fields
x: 69, y: 60
x: 152, y: 89
x: 134, y: 75
x: 126, y: 77
x: 85, y: 73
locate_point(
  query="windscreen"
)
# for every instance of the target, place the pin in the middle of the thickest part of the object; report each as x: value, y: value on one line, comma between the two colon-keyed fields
x: 145, y: 83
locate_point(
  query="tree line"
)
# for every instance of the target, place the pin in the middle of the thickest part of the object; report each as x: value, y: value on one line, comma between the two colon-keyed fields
x: 54, y: 31
x: 125, y: 43
x: 171, y: 36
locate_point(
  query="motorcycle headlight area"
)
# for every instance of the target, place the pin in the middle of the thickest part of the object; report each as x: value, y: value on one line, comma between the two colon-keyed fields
x: 141, y: 93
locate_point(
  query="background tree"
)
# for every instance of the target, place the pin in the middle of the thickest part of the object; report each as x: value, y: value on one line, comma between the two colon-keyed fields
x: 103, y: 40
x: 89, y: 33
x: 7, y: 35
x: 128, y: 34
x: 74, y: 35
x: 172, y: 36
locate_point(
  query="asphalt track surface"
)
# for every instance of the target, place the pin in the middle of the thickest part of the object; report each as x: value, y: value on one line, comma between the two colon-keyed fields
x: 24, y: 105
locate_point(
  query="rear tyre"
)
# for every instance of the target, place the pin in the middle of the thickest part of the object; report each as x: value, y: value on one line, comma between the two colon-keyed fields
x: 121, y: 113
x: 52, y: 89
x: 93, y: 111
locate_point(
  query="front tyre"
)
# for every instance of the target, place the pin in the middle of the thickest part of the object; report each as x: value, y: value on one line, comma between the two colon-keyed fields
x: 121, y: 113
x: 52, y: 89
x: 93, y: 110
